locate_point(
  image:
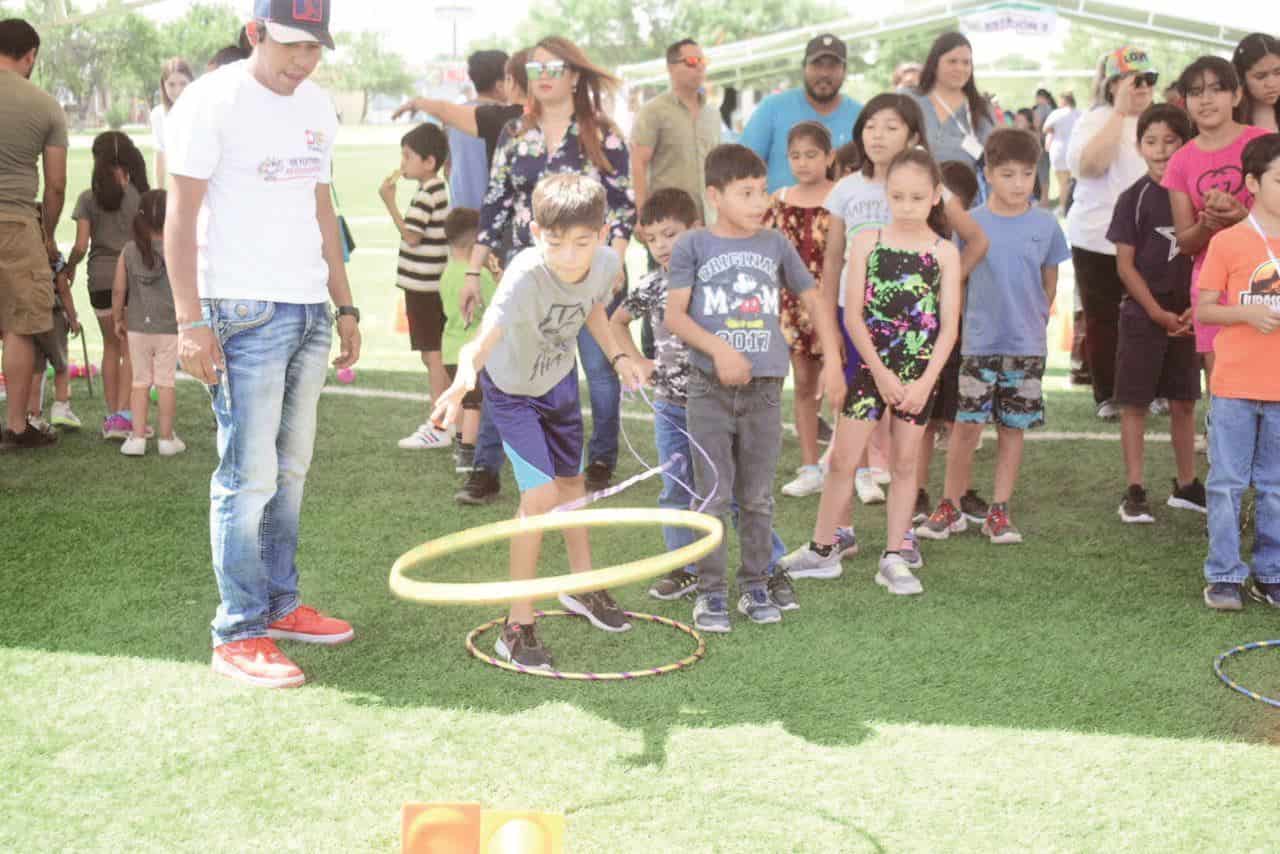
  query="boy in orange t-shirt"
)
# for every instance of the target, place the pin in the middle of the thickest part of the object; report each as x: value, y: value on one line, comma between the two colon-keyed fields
x: 1244, y: 442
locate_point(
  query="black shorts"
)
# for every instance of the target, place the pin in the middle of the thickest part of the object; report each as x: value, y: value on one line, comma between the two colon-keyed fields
x: 472, y: 399
x: 101, y: 300
x: 1150, y: 364
x: 425, y: 312
x: 946, y: 402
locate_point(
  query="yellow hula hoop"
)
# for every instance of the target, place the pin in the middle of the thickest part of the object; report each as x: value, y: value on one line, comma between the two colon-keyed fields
x: 483, y: 593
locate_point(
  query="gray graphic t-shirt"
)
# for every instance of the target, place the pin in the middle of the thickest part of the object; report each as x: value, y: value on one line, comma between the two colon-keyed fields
x: 737, y: 282
x: 671, y: 372
x: 540, y: 318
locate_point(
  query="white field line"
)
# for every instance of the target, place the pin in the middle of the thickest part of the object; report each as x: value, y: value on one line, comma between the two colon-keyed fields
x: 1032, y: 435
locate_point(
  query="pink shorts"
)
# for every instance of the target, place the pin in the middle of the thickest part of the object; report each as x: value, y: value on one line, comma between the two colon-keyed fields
x: 1204, y: 334
x: 155, y: 359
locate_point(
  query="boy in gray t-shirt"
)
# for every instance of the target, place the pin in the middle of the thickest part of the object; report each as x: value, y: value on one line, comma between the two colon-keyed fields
x: 523, y: 359
x: 723, y: 300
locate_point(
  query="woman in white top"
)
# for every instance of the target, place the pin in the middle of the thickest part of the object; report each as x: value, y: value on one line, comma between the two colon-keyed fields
x: 1103, y: 156
x: 1057, y: 138
x: 175, y: 75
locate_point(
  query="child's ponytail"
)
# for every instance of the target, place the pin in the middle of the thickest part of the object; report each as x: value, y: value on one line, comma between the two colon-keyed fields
x: 107, y: 191
x: 148, y: 222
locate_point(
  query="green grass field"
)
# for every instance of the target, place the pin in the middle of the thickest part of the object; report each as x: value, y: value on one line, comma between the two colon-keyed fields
x: 1055, y: 696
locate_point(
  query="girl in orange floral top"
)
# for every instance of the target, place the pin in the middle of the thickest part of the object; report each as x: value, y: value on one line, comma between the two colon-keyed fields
x: 798, y: 213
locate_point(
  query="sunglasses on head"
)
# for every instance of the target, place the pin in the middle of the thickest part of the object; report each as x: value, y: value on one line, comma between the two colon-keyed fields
x: 691, y: 61
x: 553, y: 70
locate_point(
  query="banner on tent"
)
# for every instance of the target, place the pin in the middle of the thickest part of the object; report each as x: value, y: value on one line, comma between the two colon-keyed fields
x: 1027, y: 19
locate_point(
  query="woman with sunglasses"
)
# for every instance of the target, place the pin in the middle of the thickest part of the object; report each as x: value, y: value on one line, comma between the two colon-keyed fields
x: 564, y: 129
x: 1103, y: 156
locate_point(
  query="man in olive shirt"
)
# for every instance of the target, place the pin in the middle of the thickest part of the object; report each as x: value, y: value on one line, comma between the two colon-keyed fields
x: 674, y: 132
x: 32, y: 126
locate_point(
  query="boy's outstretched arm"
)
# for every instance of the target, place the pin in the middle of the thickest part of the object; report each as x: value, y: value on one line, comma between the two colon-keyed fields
x: 471, y: 358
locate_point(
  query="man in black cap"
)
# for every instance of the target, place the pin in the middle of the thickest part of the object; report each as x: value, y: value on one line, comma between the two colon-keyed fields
x: 254, y: 259
x: 819, y: 101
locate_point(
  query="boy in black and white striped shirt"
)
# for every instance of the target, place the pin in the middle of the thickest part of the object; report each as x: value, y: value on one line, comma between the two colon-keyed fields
x: 424, y: 253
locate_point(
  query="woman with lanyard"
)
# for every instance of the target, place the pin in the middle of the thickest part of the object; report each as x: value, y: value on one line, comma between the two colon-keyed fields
x: 563, y: 130
x: 957, y: 118
x: 1103, y: 156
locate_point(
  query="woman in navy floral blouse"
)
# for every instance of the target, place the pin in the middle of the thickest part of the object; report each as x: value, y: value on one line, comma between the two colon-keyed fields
x: 564, y: 130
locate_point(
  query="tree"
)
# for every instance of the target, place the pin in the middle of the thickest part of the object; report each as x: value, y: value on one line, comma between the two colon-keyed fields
x: 362, y: 64
x: 205, y: 29
x: 95, y: 63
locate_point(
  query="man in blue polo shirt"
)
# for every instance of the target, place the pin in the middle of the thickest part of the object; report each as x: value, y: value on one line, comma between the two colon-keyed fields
x: 819, y: 101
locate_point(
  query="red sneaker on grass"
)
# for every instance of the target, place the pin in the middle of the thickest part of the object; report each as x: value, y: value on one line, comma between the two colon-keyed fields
x: 308, y: 625
x: 258, y: 662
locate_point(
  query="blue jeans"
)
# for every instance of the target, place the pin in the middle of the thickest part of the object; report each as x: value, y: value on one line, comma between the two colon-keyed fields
x: 606, y: 405
x: 605, y: 391
x: 669, y: 420
x: 1244, y: 446
x: 276, y: 358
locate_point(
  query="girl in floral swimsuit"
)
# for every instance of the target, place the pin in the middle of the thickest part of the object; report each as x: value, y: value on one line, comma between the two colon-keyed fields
x: 798, y: 212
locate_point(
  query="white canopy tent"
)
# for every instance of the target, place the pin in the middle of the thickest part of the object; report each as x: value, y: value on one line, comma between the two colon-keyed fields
x: 766, y: 56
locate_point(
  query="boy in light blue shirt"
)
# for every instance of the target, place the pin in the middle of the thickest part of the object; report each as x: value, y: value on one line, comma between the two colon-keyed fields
x: 1005, y: 318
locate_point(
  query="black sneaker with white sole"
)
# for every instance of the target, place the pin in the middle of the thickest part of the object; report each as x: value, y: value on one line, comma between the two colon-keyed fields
x: 1134, y: 509
x: 599, y: 609
x: 519, y: 644
x: 674, y: 585
x: 481, y: 488
x: 923, y: 507
x: 1189, y: 497
x: 973, y: 508
x: 781, y: 591
x: 1264, y: 592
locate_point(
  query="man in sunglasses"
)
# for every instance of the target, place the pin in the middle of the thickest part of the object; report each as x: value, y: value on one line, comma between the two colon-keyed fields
x: 674, y: 132
x: 819, y: 101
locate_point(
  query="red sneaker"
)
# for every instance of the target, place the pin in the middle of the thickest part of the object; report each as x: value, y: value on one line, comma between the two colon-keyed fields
x: 256, y: 661
x: 308, y: 625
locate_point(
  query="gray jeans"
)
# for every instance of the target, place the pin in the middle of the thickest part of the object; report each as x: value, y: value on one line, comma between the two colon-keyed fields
x: 740, y: 428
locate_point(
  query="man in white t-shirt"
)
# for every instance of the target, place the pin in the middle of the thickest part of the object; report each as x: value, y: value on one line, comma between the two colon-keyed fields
x: 254, y: 256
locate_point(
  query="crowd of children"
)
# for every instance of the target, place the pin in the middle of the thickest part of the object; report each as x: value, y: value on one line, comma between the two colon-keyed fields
x: 890, y: 289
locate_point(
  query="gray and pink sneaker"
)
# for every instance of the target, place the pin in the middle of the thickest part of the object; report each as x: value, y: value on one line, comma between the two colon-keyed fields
x: 116, y: 427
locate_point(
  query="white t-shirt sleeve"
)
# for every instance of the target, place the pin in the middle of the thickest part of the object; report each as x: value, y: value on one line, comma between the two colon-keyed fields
x: 193, y: 130
x: 1085, y: 130
x: 157, y: 127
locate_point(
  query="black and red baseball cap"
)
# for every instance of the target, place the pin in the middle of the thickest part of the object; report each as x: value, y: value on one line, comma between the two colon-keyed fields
x: 294, y: 21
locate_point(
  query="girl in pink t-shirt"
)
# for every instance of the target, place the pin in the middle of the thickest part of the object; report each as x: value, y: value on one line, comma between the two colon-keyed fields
x: 1204, y: 178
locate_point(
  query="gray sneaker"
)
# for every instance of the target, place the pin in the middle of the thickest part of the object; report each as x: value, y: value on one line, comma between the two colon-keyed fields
x: 1223, y: 596
x: 895, y: 576
x: 912, y: 556
x: 711, y: 613
x: 756, y: 607
x: 804, y: 562
x: 519, y: 644
x: 781, y: 591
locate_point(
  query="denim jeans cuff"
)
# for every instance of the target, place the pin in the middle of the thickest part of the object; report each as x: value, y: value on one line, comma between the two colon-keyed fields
x: 243, y: 634
x: 282, y: 607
